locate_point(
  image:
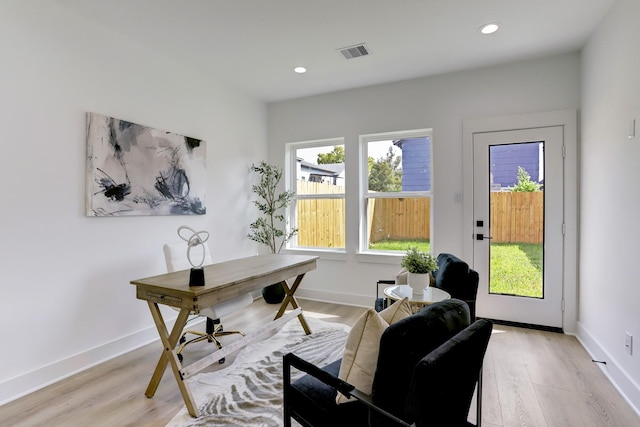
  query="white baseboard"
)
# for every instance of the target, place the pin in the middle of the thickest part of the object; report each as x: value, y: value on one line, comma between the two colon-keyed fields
x: 23, y: 384
x: 335, y: 297
x: 29, y: 382
x: 627, y: 387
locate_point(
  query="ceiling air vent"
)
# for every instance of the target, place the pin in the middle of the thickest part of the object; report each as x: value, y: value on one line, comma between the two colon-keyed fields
x: 354, y: 51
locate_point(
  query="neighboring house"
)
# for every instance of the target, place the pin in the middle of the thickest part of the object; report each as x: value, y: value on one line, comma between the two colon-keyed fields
x: 506, y: 158
x: 331, y: 173
x: 416, y: 163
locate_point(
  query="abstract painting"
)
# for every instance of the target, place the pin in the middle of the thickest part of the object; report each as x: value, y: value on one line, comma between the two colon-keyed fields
x: 138, y: 170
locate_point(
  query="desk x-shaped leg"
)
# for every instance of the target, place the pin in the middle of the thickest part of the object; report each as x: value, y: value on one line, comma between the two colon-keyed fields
x: 169, y: 341
x: 169, y: 356
x: 290, y: 299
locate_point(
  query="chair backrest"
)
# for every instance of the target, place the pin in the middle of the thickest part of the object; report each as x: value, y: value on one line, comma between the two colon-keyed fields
x: 444, y: 380
x: 454, y: 276
x: 175, y: 256
x: 405, y: 343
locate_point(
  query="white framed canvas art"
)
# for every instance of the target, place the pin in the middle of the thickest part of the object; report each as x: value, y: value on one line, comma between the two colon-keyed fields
x: 137, y: 170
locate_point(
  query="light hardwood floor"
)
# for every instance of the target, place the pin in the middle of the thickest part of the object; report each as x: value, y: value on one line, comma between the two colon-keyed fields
x: 531, y: 378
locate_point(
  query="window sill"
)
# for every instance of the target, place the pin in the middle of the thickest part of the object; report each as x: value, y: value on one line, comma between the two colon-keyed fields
x: 329, y: 254
x: 380, y: 257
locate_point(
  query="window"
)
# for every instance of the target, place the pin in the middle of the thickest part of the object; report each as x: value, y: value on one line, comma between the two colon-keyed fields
x: 316, y: 172
x: 396, y: 191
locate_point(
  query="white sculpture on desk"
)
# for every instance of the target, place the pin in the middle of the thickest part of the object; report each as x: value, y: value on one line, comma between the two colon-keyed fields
x: 197, y: 238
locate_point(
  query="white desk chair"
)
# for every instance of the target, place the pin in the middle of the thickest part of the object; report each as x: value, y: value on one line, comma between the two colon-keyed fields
x: 175, y: 255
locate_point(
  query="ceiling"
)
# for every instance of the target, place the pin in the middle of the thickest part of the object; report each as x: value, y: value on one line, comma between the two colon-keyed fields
x: 254, y: 45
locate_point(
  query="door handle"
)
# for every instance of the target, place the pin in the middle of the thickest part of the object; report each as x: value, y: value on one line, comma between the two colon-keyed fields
x: 481, y: 236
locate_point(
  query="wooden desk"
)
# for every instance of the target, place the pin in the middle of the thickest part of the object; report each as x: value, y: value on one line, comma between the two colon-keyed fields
x: 223, y: 281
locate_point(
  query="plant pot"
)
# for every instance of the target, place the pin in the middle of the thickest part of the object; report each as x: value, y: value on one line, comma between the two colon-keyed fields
x: 273, y: 294
x: 418, y: 282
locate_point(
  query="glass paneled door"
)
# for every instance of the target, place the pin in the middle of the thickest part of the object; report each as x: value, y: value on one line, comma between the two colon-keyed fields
x: 518, y: 225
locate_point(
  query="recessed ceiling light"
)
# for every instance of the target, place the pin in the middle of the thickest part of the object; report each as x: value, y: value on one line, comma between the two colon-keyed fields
x: 489, y: 28
x: 300, y: 70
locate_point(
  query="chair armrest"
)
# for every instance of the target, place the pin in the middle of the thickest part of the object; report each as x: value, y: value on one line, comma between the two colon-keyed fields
x: 291, y: 359
x: 343, y: 387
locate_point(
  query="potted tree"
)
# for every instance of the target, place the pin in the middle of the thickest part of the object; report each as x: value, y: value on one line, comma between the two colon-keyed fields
x: 419, y: 266
x: 270, y: 228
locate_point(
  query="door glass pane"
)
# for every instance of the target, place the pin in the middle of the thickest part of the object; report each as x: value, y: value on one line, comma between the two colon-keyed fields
x: 517, y: 219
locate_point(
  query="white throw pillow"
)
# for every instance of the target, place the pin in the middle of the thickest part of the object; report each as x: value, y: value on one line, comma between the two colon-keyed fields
x: 360, y: 356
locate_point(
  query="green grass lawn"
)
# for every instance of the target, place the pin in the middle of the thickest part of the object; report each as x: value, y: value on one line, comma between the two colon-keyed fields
x: 400, y: 245
x: 516, y: 268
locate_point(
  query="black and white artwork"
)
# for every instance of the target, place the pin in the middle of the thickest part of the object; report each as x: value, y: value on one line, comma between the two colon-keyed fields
x: 137, y: 170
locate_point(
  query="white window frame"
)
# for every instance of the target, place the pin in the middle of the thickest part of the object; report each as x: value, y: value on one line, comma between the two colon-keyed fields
x: 364, y: 194
x: 291, y: 175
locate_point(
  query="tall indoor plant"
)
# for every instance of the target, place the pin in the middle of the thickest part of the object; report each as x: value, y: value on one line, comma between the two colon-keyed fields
x: 270, y: 228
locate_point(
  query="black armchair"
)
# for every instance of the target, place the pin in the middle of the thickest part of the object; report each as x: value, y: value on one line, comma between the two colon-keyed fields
x: 453, y: 276
x: 428, y: 367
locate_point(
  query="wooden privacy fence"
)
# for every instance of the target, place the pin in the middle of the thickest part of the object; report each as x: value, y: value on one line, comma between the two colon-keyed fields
x: 515, y: 217
x: 321, y: 222
x: 399, y: 219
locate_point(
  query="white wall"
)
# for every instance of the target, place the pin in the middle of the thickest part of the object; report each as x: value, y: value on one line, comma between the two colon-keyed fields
x: 440, y: 102
x: 610, y: 174
x: 66, y: 299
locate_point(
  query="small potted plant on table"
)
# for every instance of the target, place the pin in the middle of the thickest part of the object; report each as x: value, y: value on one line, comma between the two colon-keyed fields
x: 419, y: 265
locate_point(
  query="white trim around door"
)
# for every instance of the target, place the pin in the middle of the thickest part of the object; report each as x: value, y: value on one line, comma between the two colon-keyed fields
x: 567, y: 119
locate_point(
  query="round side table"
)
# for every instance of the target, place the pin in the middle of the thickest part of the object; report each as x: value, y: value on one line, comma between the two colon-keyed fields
x: 417, y: 301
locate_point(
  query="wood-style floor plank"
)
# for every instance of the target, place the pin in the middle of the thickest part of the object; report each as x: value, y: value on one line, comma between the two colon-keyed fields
x: 491, y: 412
x: 531, y: 379
x: 548, y: 379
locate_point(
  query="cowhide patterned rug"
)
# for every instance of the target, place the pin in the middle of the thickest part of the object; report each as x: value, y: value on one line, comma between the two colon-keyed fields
x: 249, y: 391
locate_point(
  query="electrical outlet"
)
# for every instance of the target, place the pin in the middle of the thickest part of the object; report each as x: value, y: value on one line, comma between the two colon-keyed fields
x: 628, y: 342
